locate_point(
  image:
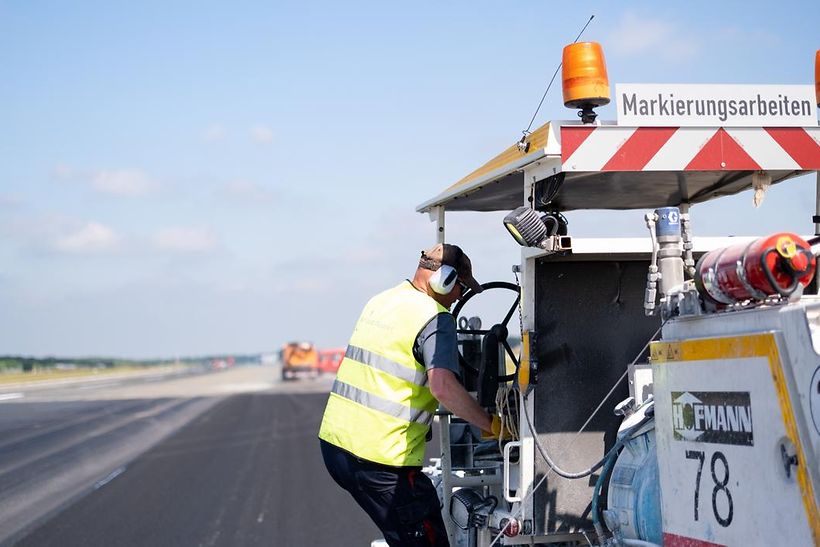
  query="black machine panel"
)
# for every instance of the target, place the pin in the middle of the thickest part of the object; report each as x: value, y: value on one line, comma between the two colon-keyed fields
x: 591, y: 325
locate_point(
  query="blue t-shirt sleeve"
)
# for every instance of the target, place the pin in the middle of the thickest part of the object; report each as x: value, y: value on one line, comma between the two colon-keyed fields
x: 437, y: 344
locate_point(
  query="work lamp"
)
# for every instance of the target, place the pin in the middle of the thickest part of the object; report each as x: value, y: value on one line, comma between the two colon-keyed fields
x: 526, y: 226
x: 531, y: 230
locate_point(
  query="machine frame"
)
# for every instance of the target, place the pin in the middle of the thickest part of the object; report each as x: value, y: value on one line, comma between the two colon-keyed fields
x: 566, y: 166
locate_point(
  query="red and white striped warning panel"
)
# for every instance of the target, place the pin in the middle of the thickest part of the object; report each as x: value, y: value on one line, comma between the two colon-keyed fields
x: 613, y: 148
x: 672, y: 540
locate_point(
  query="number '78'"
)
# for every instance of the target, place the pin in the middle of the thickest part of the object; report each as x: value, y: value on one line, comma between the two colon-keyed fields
x: 720, y: 484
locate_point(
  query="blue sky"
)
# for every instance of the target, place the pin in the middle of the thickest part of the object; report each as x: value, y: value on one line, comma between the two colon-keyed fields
x: 181, y: 178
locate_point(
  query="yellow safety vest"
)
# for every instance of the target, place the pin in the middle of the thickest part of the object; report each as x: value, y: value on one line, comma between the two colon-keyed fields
x: 380, y: 407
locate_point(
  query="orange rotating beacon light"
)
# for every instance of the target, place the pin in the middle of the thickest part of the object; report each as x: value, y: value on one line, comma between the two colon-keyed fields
x: 769, y: 266
x: 817, y: 76
x: 584, y: 79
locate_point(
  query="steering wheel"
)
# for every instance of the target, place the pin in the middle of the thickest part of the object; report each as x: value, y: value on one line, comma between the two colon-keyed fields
x: 498, y: 330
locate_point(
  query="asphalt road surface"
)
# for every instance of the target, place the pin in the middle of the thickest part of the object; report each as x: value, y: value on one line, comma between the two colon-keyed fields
x: 228, y: 458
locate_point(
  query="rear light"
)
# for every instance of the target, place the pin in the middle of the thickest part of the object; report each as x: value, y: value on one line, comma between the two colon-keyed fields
x: 511, y: 527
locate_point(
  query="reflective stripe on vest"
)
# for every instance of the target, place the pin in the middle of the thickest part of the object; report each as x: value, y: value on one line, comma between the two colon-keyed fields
x: 380, y: 407
x: 418, y: 377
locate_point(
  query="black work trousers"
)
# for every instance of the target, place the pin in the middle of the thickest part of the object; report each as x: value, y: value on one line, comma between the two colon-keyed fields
x: 402, y: 501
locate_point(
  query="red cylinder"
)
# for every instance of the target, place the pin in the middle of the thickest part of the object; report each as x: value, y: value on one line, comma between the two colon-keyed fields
x: 768, y: 266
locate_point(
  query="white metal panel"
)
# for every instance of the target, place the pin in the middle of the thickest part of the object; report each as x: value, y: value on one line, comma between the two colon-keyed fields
x: 760, y: 145
x: 802, y: 371
x: 728, y: 105
x: 679, y: 150
x: 725, y: 493
x: 594, y: 153
x: 528, y: 477
x: 632, y: 245
x: 779, y: 417
x: 799, y: 324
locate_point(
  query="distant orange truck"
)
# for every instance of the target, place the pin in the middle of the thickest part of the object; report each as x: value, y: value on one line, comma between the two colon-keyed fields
x: 299, y: 359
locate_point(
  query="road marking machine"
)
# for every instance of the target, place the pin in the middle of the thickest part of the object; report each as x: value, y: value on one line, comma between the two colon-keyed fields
x: 667, y: 390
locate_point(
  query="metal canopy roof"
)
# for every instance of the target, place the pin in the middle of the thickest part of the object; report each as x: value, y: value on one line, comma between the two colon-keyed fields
x: 651, y: 189
x: 499, y: 184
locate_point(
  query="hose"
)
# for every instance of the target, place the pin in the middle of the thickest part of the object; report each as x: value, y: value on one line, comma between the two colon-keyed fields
x: 599, y: 486
x: 587, y: 472
x: 601, y: 404
x: 617, y: 445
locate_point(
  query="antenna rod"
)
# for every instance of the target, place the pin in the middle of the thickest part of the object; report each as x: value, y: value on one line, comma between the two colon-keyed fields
x: 527, y: 130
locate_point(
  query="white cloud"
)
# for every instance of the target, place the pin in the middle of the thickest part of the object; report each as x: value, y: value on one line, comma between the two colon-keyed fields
x: 262, y: 134
x: 309, y: 285
x: 246, y: 191
x: 184, y: 239
x: 214, y: 133
x: 740, y: 37
x: 642, y: 35
x: 63, y: 171
x: 122, y: 182
x: 90, y: 238
x: 10, y: 201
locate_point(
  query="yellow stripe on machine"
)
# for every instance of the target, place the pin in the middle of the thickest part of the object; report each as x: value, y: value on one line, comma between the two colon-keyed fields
x: 536, y: 140
x: 524, y: 366
x: 736, y: 347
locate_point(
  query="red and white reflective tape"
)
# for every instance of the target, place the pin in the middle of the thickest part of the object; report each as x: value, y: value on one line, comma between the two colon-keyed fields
x: 673, y: 540
x: 613, y: 148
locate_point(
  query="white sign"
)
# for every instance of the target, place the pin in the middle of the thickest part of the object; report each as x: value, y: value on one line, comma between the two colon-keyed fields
x: 675, y: 105
x: 720, y: 467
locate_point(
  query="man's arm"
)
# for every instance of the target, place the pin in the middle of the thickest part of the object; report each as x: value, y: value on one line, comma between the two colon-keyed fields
x: 448, y: 390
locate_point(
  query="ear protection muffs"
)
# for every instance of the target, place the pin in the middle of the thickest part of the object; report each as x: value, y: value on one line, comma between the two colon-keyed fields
x: 444, y: 279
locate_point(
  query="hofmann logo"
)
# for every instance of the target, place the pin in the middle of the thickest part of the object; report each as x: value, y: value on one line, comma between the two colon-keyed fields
x: 723, y: 417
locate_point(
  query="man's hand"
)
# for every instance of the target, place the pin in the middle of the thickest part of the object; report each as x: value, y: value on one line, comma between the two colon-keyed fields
x: 495, y: 432
x: 495, y: 429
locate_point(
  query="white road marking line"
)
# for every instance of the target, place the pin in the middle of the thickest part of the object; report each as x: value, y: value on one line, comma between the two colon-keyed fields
x: 101, y: 385
x: 245, y: 387
x: 10, y: 396
x: 114, y: 474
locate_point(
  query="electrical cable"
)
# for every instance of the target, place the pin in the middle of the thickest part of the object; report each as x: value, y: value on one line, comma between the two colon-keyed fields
x: 531, y: 493
x: 586, y: 472
x: 508, y: 422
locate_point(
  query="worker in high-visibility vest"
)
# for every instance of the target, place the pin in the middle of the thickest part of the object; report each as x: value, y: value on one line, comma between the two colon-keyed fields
x: 401, y: 362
